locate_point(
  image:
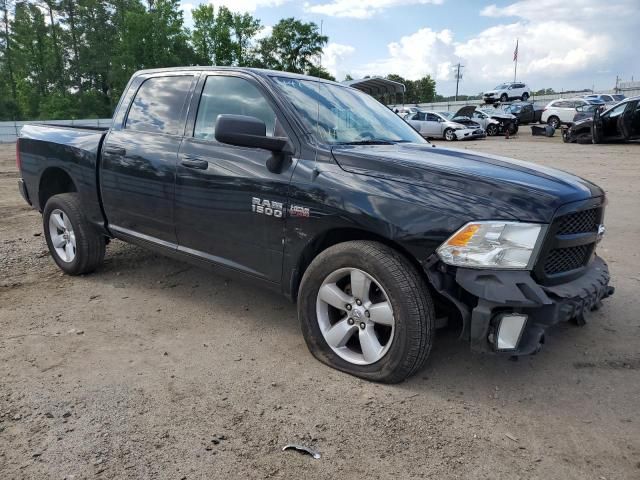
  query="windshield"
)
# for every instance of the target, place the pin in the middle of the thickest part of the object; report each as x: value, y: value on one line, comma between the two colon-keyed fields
x: 502, y: 86
x: 447, y: 115
x: 341, y: 115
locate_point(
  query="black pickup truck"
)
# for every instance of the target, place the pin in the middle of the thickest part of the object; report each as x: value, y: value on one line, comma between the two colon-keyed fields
x: 320, y: 192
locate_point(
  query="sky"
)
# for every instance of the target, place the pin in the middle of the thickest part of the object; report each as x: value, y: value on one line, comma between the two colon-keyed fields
x: 562, y: 44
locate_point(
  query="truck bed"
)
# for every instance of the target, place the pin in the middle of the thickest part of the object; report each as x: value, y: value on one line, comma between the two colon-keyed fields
x: 51, y: 155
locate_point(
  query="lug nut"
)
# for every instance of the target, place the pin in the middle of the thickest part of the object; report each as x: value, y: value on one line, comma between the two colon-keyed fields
x: 362, y: 325
x: 367, y: 314
x: 348, y: 307
x: 358, y: 302
x: 350, y: 321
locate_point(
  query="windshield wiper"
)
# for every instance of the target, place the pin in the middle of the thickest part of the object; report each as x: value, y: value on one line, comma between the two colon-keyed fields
x: 367, y: 142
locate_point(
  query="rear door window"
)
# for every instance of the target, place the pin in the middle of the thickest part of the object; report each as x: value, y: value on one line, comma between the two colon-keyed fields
x: 158, y: 106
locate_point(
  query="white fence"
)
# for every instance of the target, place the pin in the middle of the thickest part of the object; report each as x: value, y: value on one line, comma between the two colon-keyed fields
x: 543, y: 99
x: 9, y: 131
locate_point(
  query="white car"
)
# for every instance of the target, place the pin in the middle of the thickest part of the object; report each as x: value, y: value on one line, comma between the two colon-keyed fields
x: 436, y: 125
x: 405, y: 112
x: 609, y: 99
x: 491, y: 126
x: 508, y: 91
x: 562, y: 110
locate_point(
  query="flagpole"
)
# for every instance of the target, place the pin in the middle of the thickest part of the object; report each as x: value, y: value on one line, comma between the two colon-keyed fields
x: 515, y: 58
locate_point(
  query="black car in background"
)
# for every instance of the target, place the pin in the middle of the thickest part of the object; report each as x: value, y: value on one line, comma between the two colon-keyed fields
x: 587, y: 111
x: 525, y: 112
x: 619, y: 123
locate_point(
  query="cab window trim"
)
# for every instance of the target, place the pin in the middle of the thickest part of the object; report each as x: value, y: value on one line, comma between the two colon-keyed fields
x: 194, y: 106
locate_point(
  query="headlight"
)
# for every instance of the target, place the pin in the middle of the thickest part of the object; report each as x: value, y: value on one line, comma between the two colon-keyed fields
x: 493, y: 244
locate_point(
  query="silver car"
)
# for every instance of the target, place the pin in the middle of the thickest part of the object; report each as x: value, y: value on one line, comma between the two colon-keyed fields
x: 490, y: 125
x: 435, y: 125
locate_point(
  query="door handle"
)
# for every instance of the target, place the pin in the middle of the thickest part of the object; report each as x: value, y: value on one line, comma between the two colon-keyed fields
x: 194, y: 162
x: 115, y: 151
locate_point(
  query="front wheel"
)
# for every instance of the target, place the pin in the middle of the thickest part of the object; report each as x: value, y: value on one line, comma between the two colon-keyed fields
x: 504, y: 97
x: 525, y: 96
x: 449, y: 135
x: 75, y: 245
x: 554, y: 122
x: 492, y: 130
x: 365, y: 310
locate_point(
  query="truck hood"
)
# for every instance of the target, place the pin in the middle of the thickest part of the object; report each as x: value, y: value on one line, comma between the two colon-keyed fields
x: 522, y: 190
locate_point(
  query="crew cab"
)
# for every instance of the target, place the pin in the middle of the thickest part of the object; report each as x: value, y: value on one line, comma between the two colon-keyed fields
x: 318, y: 191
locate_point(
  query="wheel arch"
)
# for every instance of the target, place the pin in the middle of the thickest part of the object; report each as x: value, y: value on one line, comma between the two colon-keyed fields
x: 53, y: 181
x: 335, y: 236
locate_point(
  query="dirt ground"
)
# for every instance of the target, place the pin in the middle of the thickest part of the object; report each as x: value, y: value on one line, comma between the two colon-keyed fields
x: 150, y: 368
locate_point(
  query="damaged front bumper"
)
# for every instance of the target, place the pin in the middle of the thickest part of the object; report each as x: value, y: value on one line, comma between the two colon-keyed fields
x: 470, y: 133
x: 485, y: 297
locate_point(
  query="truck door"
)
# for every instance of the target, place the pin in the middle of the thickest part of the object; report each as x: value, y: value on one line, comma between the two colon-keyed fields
x: 229, y: 208
x: 139, y: 156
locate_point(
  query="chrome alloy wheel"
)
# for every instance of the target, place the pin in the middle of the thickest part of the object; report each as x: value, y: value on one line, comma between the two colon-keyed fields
x: 62, y: 237
x: 355, y: 316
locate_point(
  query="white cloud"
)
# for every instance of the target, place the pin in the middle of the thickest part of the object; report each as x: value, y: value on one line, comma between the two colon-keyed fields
x: 247, y: 5
x: 425, y: 52
x: 186, y: 12
x: 264, y: 32
x: 361, y: 8
x: 333, y: 59
x: 560, y: 45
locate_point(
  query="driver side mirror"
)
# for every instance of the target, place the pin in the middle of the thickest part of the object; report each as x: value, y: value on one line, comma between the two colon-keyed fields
x: 245, y: 131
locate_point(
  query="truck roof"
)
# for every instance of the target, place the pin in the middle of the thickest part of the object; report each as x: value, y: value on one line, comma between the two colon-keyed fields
x: 262, y: 72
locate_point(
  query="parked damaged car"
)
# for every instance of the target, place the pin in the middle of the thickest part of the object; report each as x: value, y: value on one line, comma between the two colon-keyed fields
x: 619, y: 123
x: 468, y: 114
x: 436, y: 125
x: 505, y: 120
x: 526, y: 112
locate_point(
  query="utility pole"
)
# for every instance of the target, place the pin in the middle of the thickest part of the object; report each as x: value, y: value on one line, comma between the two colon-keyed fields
x: 458, y: 77
x: 617, y: 80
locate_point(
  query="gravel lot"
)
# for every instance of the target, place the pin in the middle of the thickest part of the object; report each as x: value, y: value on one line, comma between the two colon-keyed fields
x: 151, y: 368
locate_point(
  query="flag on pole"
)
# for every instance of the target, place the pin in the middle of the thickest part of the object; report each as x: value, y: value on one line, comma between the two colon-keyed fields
x: 515, y: 53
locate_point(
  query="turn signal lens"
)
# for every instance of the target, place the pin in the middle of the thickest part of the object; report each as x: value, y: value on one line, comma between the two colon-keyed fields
x: 462, y: 237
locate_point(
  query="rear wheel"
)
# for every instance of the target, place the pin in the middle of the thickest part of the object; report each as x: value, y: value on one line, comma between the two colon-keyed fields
x: 553, y: 121
x: 365, y: 310
x: 74, y: 243
x: 449, y: 135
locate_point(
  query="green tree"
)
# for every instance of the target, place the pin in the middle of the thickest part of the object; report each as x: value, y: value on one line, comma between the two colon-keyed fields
x: 292, y: 46
x: 245, y: 27
x: 203, y: 37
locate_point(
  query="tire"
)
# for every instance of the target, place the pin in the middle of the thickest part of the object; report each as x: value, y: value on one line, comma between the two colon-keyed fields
x: 504, y: 97
x: 525, y: 96
x: 74, y: 243
x: 584, y: 139
x: 513, y: 128
x: 408, y: 343
x: 449, y: 135
x: 553, y: 121
x: 492, y: 130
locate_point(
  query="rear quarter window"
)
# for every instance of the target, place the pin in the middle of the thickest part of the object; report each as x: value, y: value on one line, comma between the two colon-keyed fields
x: 158, y: 105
